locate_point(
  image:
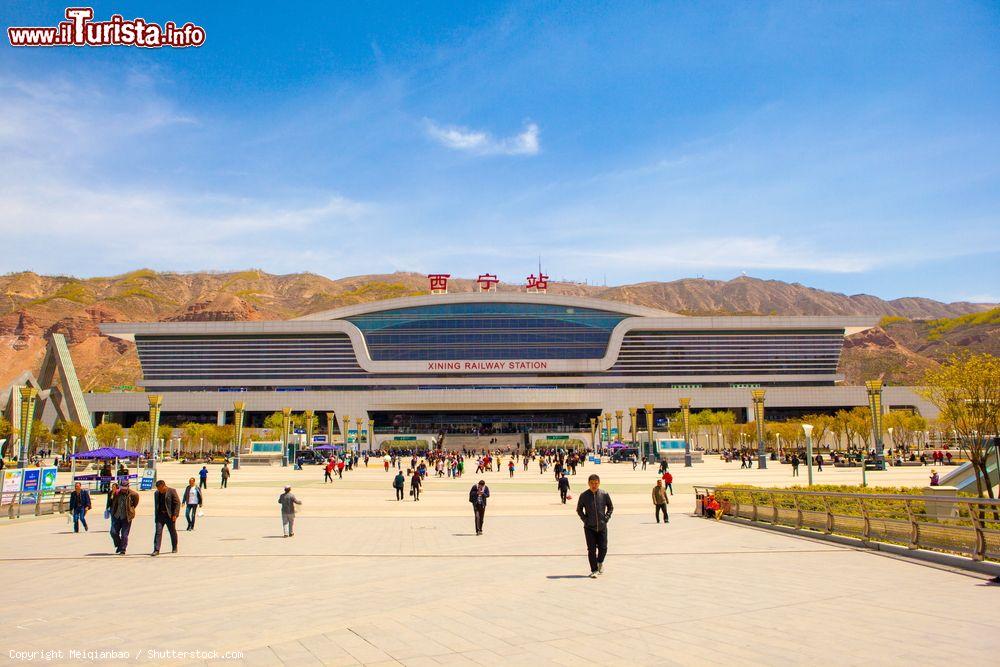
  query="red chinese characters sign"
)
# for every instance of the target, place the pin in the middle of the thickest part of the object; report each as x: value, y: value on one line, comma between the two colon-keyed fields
x: 487, y: 282
x: 439, y: 282
x: 539, y: 283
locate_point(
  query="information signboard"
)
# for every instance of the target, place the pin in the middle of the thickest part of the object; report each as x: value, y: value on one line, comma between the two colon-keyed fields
x: 11, y: 484
x: 48, y: 480
x: 30, y: 483
x: 146, y: 481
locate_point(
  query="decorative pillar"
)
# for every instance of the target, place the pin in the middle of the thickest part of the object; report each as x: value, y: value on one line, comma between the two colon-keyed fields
x: 358, y: 422
x: 874, y: 388
x: 28, y: 396
x: 685, y: 404
x: 347, y: 431
x: 758, y: 416
x: 607, y: 428
x: 155, y: 404
x: 649, y: 427
x: 618, y: 422
x: 286, y: 418
x: 632, y: 424
x: 239, y: 407
x: 310, y: 420
x: 371, y: 435
x: 331, y: 419
x: 593, y: 434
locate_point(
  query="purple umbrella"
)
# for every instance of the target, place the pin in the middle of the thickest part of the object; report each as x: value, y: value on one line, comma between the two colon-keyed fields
x: 107, y: 453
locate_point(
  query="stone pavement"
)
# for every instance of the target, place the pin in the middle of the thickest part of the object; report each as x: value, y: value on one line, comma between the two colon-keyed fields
x: 367, y: 580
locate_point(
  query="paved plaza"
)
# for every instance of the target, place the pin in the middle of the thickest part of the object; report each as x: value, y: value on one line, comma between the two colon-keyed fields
x: 368, y: 580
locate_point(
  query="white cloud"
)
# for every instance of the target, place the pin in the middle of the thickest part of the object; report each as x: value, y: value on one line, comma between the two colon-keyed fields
x: 483, y: 143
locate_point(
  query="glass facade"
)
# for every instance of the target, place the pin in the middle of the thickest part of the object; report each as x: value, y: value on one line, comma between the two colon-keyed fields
x: 487, y: 331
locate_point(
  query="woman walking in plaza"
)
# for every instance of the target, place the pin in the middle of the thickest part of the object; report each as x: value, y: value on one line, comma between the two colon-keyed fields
x: 415, y: 484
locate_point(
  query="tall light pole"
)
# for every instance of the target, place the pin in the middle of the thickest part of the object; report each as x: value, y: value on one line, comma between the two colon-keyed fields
x: 808, y: 428
x: 649, y: 427
x: 685, y: 404
x: 286, y: 418
x: 758, y: 414
x: 331, y: 419
x: 310, y: 418
x: 155, y: 404
x: 28, y: 396
x: 874, y: 388
x: 239, y: 407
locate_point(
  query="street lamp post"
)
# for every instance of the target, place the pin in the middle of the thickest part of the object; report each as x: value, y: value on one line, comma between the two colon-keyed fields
x: 758, y: 413
x: 808, y: 428
x: 155, y: 405
x: 889, y: 431
x: 239, y: 407
x: 286, y: 418
x: 632, y: 425
x: 649, y: 428
x: 685, y: 404
x: 874, y: 388
x: 28, y: 396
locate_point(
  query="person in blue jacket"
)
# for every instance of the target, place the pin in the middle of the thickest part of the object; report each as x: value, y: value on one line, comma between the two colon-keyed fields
x: 79, y: 504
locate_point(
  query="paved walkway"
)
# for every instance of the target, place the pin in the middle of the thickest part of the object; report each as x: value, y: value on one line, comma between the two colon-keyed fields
x: 411, y: 584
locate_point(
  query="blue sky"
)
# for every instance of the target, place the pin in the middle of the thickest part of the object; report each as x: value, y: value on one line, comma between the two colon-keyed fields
x: 847, y: 146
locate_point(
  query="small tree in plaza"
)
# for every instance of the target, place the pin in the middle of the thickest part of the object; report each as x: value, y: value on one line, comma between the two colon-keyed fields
x: 906, y: 426
x: 966, y: 390
x: 64, y: 431
x: 108, y: 433
x: 821, y: 424
x: 139, y: 434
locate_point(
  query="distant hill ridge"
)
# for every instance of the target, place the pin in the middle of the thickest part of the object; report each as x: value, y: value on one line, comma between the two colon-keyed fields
x: 35, y: 305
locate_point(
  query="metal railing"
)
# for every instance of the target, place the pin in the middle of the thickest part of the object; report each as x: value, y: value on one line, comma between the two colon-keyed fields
x: 15, y: 504
x: 962, y: 525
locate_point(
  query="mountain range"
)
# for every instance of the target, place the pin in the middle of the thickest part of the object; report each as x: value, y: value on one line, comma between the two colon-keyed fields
x: 915, y: 334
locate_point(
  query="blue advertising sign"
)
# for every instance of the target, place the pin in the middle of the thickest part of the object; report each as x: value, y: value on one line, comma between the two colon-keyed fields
x: 146, y: 482
x: 30, y: 482
x: 48, y: 480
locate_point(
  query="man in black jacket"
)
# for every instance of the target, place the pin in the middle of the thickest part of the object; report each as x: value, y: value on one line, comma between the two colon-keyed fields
x: 594, y: 508
x: 478, y: 495
x: 166, y: 509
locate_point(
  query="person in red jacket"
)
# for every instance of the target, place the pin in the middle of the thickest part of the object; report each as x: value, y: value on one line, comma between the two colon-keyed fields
x: 668, y: 481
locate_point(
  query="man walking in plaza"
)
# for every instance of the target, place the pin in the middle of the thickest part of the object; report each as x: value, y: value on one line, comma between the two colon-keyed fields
x: 121, y: 505
x: 478, y: 495
x: 288, y: 503
x: 193, y: 499
x: 660, y: 501
x: 398, y: 483
x: 594, y: 507
x: 203, y: 474
x: 225, y: 475
x: 79, y: 505
x: 166, y: 509
x: 563, y: 487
